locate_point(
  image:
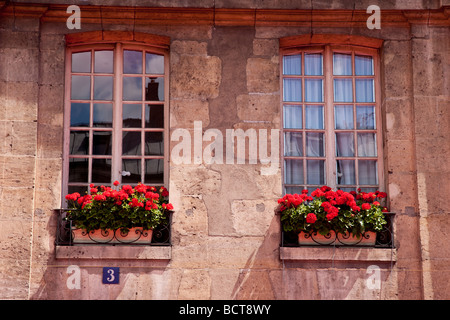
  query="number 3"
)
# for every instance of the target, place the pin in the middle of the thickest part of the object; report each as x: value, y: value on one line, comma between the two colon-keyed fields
x: 111, y: 275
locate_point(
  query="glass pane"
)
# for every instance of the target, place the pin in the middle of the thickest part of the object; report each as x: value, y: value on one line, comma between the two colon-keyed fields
x: 345, y: 172
x: 367, y: 146
x: 103, y: 88
x: 81, y: 88
x: 80, y: 189
x: 101, y: 170
x: 154, y: 63
x: 364, y: 90
x: 154, y: 116
x: 131, y: 171
x: 367, y: 172
x: 314, y: 117
x: 154, y: 89
x: 343, y: 91
x: 104, y: 61
x: 313, y: 64
x: 103, y: 115
x: 132, y: 115
x: 292, y: 117
x: 132, y: 88
x: 293, y: 171
x: 79, y: 114
x: 342, y: 64
x: 363, y: 66
x: 78, y: 170
x: 81, y: 62
x: 131, y: 143
x: 343, y: 117
x: 369, y: 189
x: 154, y: 171
x: 345, y: 146
x: 293, y: 190
x: 293, y: 144
x: 154, y: 143
x: 313, y: 90
x: 292, y: 65
x: 132, y: 61
x: 79, y: 142
x: 292, y: 90
x: 102, y: 143
x: 365, y: 117
x: 315, y: 171
x: 315, y: 146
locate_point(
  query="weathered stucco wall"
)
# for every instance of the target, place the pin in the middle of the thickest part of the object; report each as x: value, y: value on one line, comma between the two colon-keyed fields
x: 225, y: 235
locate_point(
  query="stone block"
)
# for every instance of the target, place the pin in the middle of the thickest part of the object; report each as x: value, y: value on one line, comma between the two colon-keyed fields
x: 21, y: 102
x: 191, y: 217
x: 397, y: 65
x: 185, y: 112
x: 266, y: 47
x: 399, y: 119
x: 195, y: 284
x: 189, y: 48
x: 21, y: 65
x: 52, y: 97
x: 16, y: 203
x: 262, y: 75
x: 194, y: 180
x: 51, y: 67
x: 258, y: 107
x: 252, y: 217
x: 17, y: 171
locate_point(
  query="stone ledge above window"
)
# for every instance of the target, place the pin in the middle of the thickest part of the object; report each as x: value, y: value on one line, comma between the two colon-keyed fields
x: 114, y: 252
x: 338, y: 253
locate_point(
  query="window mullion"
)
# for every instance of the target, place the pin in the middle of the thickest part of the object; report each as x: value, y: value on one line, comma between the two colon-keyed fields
x: 329, y: 118
x: 117, y: 115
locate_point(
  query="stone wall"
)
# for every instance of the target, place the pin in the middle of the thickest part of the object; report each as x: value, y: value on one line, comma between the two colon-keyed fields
x: 225, y: 235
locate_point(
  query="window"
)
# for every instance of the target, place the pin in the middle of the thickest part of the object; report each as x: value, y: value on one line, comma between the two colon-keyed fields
x: 116, y: 115
x: 331, y: 118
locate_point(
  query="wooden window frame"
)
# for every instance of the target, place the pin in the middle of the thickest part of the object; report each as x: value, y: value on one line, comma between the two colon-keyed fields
x: 328, y: 45
x: 91, y: 41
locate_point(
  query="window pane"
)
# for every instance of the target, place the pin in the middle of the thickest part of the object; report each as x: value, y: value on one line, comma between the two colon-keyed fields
x: 342, y: 64
x: 343, y: 117
x: 292, y: 89
x: 132, y: 88
x: 343, y: 91
x: 154, y: 171
x: 313, y: 90
x: 132, y: 115
x: 131, y: 143
x: 79, y: 114
x: 154, y: 143
x: 154, y: 63
x: 345, y: 172
x: 292, y: 117
x: 78, y: 170
x: 364, y: 90
x: 293, y: 171
x: 101, y: 170
x: 313, y: 64
x: 103, y: 115
x: 132, y: 61
x: 363, y: 66
x: 103, y: 61
x: 154, y: 116
x: 367, y: 146
x: 154, y: 89
x: 292, y: 65
x: 102, y: 143
x: 79, y: 142
x: 293, y: 190
x: 314, y: 117
x: 81, y: 62
x: 367, y: 172
x: 365, y: 117
x: 345, y: 144
x: 131, y: 171
x: 81, y: 88
x: 315, y: 171
x: 103, y: 88
x: 80, y: 189
x: 315, y: 146
x: 293, y: 144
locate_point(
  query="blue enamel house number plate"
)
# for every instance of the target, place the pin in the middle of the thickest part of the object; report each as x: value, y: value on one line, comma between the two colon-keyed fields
x: 111, y: 275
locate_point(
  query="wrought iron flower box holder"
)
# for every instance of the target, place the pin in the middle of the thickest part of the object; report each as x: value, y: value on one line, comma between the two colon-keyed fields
x: 160, y: 236
x: 382, y: 239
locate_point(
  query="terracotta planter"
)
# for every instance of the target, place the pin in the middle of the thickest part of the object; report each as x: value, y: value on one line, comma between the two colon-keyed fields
x: 316, y: 239
x: 133, y: 236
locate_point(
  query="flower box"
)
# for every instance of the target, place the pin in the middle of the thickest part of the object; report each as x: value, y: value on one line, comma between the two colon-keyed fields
x: 134, y: 235
x: 333, y: 238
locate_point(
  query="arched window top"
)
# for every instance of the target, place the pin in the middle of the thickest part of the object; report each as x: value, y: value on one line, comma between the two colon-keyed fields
x: 83, y: 38
x: 330, y: 39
